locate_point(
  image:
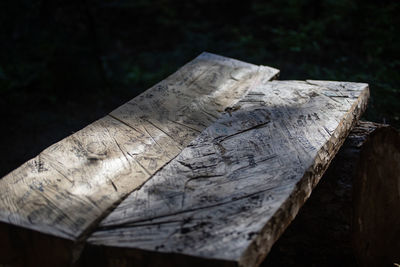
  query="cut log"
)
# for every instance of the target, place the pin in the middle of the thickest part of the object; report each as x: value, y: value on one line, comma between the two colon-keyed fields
x: 69, y: 187
x: 228, y: 196
x: 376, y: 219
x: 321, y: 234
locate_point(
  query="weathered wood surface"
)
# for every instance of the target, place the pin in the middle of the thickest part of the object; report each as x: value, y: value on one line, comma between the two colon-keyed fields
x: 230, y: 194
x: 376, y: 218
x: 71, y: 185
x: 321, y: 235
x: 356, y: 205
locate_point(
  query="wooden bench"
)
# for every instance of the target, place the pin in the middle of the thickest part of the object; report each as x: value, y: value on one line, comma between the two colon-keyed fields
x: 211, y: 164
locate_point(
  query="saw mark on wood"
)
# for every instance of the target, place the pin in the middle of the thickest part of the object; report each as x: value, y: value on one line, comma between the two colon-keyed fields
x: 124, y: 123
x: 219, y: 140
x: 184, y: 125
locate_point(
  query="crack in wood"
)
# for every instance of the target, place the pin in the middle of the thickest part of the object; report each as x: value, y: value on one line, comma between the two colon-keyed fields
x: 157, y: 127
x: 125, y: 123
x: 184, y: 125
x: 136, y: 223
x: 221, y: 139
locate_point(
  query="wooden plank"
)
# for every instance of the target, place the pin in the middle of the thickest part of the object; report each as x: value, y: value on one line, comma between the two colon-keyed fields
x: 229, y: 195
x: 71, y: 185
x: 320, y: 235
x: 357, y: 198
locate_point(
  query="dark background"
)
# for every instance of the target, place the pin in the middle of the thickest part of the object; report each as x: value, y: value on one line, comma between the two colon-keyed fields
x: 64, y: 64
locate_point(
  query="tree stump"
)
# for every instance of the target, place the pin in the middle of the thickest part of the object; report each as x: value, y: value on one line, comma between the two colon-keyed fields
x: 376, y: 220
x: 326, y: 230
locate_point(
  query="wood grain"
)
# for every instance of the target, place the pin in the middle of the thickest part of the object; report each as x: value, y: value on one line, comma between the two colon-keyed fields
x: 320, y: 235
x: 71, y: 185
x: 233, y: 190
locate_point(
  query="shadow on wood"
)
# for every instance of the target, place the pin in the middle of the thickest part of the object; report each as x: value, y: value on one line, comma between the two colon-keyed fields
x: 70, y: 186
x: 321, y: 234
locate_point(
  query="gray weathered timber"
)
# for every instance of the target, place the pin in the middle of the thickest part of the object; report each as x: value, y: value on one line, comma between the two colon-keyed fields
x: 357, y: 198
x: 320, y: 235
x: 230, y: 194
x: 71, y: 185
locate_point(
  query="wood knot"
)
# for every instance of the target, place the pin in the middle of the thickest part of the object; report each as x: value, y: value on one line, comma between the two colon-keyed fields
x: 97, y: 148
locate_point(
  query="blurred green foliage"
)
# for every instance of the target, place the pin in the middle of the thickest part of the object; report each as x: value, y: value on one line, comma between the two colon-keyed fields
x: 76, y: 60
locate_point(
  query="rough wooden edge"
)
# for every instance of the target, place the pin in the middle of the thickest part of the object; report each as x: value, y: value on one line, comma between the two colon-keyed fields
x: 263, y: 242
x: 320, y: 235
